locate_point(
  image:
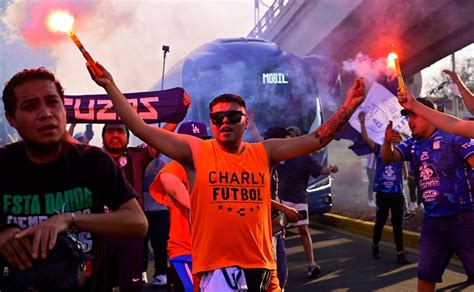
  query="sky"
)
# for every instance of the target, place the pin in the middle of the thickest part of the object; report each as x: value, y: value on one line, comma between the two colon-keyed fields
x: 125, y: 36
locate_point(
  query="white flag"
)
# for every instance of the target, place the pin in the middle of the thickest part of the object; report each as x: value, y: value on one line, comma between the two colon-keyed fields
x: 380, y: 106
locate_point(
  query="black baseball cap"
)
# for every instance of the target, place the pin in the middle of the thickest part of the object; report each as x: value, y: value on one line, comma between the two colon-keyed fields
x: 294, y: 130
x: 275, y: 132
x: 422, y: 100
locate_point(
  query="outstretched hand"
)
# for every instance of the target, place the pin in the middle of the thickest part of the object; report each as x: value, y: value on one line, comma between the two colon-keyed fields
x: 187, y: 99
x: 291, y: 214
x: 451, y: 74
x: 333, y: 168
x: 361, y: 117
x: 392, y: 136
x: 356, y: 94
x: 104, y: 80
x: 405, y: 99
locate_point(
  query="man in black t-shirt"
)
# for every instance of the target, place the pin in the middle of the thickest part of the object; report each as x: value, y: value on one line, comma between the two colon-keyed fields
x: 51, y: 186
x: 293, y: 177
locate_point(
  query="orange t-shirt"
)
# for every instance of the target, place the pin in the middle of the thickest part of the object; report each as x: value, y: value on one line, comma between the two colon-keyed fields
x: 230, y: 202
x: 179, y: 242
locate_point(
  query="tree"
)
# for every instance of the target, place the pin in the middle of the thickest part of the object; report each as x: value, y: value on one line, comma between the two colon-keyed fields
x: 440, y: 92
x: 438, y: 83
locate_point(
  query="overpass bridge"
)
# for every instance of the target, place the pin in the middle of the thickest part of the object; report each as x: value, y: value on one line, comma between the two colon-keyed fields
x: 420, y: 31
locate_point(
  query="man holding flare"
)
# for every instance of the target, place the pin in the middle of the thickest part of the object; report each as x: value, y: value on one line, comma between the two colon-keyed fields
x: 442, y: 164
x: 440, y: 120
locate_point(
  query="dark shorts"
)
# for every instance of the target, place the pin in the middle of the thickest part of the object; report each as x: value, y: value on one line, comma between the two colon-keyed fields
x: 257, y: 279
x: 440, y: 239
x: 124, y: 257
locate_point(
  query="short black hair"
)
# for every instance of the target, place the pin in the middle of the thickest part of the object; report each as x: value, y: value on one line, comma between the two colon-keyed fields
x: 104, y: 128
x: 275, y: 132
x: 41, y: 73
x: 422, y: 100
x: 227, y: 97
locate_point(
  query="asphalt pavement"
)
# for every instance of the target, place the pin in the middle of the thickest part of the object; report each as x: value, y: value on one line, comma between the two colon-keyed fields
x: 347, y: 265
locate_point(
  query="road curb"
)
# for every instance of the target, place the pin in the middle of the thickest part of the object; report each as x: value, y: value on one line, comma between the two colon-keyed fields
x: 365, y: 228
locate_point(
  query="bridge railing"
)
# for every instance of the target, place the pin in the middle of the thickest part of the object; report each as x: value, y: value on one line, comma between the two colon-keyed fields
x: 273, y: 13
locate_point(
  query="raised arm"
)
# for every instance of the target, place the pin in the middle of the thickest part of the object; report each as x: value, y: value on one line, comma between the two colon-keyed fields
x: 70, y: 131
x: 284, y: 149
x: 171, y: 126
x: 440, y: 120
x: 466, y: 95
x: 177, y: 147
x: 175, y: 188
x: 187, y: 102
x: 363, y: 131
x: 387, y: 151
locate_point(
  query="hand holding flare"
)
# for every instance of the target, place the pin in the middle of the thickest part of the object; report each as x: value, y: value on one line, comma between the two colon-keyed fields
x: 63, y: 21
x: 392, y: 62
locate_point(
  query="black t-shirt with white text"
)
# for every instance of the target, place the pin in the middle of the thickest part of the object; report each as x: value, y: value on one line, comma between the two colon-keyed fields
x: 83, y: 179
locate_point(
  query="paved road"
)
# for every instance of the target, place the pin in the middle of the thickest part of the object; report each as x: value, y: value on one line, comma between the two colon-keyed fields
x: 348, y: 266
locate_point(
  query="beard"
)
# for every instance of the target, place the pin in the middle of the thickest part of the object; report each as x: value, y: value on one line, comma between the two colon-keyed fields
x: 44, y: 149
x: 115, y: 150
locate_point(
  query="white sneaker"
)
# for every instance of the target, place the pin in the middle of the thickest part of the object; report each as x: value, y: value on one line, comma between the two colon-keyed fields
x: 144, y: 278
x: 421, y: 207
x: 372, y: 204
x: 159, y: 280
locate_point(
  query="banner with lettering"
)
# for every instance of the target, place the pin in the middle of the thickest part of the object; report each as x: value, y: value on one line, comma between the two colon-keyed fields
x: 380, y: 106
x: 153, y: 107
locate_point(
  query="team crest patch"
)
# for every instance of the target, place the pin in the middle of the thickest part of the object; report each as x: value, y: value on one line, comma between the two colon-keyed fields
x: 436, y: 145
x: 122, y: 161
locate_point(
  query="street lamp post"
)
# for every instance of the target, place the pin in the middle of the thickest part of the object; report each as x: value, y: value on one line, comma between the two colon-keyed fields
x: 455, y: 97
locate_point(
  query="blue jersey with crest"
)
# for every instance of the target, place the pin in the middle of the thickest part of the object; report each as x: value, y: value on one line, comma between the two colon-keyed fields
x: 388, y: 176
x: 443, y: 176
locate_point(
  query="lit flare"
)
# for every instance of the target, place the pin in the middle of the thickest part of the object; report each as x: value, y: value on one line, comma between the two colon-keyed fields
x: 393, y: 63
x: 62, y: 21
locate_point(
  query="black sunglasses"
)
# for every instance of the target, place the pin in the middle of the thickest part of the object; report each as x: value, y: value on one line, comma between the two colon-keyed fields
x: 233, y: 117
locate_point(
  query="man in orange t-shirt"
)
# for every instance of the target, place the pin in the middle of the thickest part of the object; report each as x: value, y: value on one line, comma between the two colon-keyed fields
x: 230, y: 184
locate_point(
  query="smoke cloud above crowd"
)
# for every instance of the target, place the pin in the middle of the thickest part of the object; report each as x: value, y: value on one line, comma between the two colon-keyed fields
x: 125, y: 36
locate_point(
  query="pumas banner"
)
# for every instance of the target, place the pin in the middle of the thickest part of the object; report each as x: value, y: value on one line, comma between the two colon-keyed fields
x: 380, y: 106
x: 153, y: 107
